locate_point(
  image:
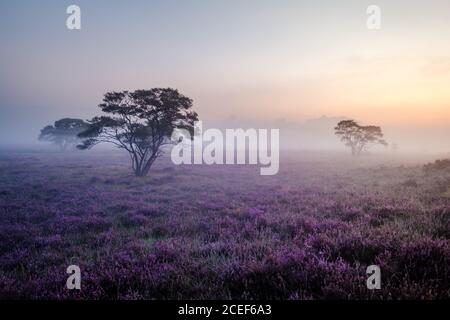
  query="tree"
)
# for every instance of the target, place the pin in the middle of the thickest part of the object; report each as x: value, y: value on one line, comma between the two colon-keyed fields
x: 140, y: 122
x: 64, y: 132
x: 357, y: 137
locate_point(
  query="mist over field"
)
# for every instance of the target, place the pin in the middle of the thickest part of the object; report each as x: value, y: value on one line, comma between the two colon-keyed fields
x: 315, y: 134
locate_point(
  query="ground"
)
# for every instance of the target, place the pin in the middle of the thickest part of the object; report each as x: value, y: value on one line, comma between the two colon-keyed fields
x: 222, y: 232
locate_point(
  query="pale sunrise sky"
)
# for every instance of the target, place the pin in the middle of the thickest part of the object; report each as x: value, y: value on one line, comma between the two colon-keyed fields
x: 259, y: 60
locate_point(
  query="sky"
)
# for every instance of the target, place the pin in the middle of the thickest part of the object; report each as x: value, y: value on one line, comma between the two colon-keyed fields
x: 257, y: 60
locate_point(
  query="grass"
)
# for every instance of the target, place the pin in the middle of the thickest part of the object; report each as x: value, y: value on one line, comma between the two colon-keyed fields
x: 193, y: 232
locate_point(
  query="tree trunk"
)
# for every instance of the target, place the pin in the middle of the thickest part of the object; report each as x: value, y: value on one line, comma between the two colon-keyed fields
x: 146, y: 168
x: 142, y: 168
x: 138, y: 171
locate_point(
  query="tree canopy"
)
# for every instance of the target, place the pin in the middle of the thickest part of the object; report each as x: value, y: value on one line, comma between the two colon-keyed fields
x: 64, y: 132
x: 358, y: 137
x: 140, y: 122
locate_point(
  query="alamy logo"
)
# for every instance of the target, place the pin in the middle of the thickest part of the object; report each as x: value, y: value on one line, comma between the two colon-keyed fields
x: 239, y: 146
x: 73, y: 21
x: 74, y: 280
x: 374, y: 280
x: 374, y: 19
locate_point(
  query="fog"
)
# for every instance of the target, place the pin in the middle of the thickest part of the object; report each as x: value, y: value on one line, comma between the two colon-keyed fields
x: 21, y: 132
x: 317, y: 134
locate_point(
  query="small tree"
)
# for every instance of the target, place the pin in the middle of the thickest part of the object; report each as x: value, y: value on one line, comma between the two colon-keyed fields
x: 141, y: 122
x: 357, y: 137
x: 64, y: 132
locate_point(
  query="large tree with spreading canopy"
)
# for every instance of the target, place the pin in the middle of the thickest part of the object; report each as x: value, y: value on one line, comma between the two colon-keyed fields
x: 358, y: 137
x: 140, y: 122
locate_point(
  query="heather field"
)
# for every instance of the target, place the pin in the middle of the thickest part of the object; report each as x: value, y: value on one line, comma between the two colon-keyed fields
x: 223, y: 232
